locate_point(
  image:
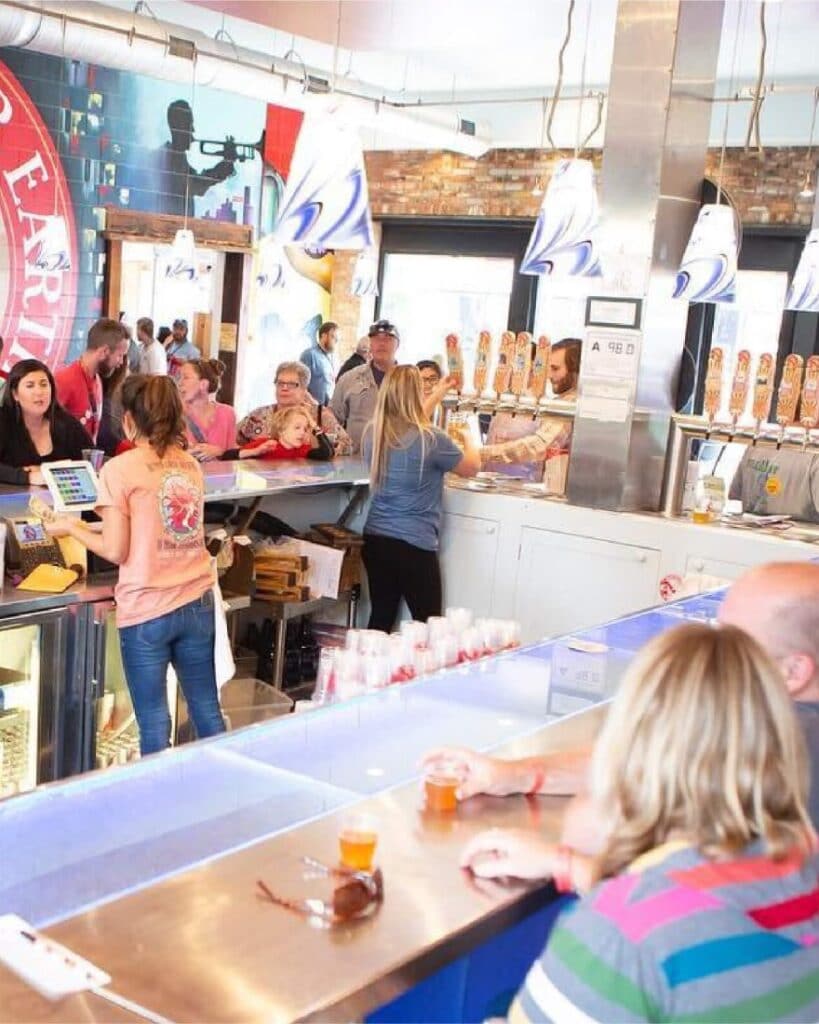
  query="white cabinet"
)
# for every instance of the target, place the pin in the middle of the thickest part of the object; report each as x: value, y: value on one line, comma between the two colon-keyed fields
x: 566, y: 582
x: 469, y: 548
x: 701, y: 565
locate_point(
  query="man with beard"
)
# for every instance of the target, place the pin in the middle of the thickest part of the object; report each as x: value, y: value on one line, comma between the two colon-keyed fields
x: 551, y: 442
x: 79, y: 385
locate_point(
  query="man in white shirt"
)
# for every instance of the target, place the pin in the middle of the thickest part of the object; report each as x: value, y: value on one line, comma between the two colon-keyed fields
x: 152, y: 358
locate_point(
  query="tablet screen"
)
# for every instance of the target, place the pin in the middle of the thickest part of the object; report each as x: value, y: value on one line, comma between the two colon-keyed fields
x: 74, y: 485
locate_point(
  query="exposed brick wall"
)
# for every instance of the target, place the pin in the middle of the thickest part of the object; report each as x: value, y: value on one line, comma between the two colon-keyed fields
x: 499, y: 184
x: 431, y: 183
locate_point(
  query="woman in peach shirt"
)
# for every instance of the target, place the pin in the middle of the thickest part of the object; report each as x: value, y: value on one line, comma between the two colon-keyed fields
x: 210, y: 426
x: 151, y: 501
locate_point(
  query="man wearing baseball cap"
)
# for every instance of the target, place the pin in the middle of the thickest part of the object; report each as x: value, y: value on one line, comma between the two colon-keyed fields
x: 179, y: 349
x: 357, y: 391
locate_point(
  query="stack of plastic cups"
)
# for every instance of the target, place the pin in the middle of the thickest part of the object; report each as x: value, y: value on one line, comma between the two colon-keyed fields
x: 403, y: 658
x: 324, y: 692
x: 415, y: 632
x: 470, y: 645
x: 349, y: 674
x: 459, y: 618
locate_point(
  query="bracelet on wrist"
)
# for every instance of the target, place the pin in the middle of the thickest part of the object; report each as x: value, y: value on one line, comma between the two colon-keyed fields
x: 562, y: 876
x: 538, y: 778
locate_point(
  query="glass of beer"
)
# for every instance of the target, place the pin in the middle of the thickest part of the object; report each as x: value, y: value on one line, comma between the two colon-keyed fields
x: 440, y: 785
x: 357, y: 839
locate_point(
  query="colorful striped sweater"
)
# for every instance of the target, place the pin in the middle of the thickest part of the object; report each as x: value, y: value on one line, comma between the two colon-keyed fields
x: 681, y: 938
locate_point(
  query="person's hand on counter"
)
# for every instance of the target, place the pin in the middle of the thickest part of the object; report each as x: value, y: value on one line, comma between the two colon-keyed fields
x: 510, y: 853
x: 522, y: 853
x: 205, y: 452
x: 35, y: 476
x: 261, y: 449
x: 561, y: 773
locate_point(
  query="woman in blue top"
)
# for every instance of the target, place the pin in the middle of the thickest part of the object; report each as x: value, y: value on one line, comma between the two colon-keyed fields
x: 408, y: 459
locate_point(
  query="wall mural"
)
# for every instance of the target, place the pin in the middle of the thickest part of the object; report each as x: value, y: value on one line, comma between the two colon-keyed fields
x: 75, y: 138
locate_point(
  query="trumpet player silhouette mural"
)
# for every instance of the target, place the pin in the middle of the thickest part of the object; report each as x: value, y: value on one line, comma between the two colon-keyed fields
x: 76, y: 138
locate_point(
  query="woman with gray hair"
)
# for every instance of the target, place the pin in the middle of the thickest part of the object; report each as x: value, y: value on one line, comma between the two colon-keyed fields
x: 291, y: 383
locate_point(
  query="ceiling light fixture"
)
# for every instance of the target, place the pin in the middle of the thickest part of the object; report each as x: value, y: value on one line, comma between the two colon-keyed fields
x: 708, y: 269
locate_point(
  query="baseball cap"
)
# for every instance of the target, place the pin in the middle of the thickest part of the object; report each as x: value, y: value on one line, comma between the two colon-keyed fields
x: 384, y: 327
x: 180, y: 323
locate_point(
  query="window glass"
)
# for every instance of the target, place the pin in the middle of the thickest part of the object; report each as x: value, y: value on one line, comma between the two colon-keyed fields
x: 430, y: 296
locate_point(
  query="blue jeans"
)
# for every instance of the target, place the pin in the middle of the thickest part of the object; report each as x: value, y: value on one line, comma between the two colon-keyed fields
x: 182, y: 638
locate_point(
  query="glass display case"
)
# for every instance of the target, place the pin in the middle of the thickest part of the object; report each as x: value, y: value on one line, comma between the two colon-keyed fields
x: 37, y: 699
x: 115, y: 735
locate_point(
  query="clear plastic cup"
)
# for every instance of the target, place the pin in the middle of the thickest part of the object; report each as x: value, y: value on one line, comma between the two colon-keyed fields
x: 460, y: 618
x: 349, y: 675
x: 416, y: 632
x: 470, y: 645
x: 357, y: 840
x: 403, y: 659
x: 351, y: 639
x: 373, y: 641
x: 377, y: 671
x: 441, y: 782
x: 325, y: 676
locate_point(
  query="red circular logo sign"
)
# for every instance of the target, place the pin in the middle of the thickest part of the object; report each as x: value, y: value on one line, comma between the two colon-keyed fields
x: 38, y: 249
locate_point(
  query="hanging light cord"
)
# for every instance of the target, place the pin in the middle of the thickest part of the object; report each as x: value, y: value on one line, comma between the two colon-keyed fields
x: 578, y: 147
x: 559, y: 83
x: 756, y: 109
x: 601, y: 100
x: 728, y: 105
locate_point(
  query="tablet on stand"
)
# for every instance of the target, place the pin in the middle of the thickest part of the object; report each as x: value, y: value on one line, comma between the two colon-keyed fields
x: 73, y: 485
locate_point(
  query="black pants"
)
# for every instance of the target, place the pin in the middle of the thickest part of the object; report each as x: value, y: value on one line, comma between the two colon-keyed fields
x: 396, y: 569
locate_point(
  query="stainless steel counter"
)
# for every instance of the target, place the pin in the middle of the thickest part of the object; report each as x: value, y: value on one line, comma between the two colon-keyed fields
x: 224, y: 481
x: 202, y: 947
x: 155, y: 877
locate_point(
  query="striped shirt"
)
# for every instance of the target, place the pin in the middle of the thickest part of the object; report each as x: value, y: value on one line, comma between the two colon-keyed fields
x: 683, y: 938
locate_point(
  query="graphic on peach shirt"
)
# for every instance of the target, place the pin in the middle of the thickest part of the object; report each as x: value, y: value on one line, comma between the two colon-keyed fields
x: 179, y: 507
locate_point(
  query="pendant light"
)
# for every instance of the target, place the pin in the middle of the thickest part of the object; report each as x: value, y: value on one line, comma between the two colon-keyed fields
x: 564, y: 241
x: 326, y: 203
x: 708, y: 270
x: 365, y: 275
x: 181, y: 264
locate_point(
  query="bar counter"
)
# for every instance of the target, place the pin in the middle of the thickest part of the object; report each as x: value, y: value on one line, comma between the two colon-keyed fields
x: 150, y: 870
x: 252, y: 480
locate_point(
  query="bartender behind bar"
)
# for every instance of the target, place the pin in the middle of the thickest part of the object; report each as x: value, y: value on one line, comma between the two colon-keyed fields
x: 783, y: 482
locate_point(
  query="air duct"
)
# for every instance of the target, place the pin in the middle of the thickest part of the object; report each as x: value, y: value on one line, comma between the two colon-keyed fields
x: 98, y: 34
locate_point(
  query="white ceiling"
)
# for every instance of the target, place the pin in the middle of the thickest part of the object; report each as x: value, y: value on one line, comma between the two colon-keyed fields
x: 507, y: 49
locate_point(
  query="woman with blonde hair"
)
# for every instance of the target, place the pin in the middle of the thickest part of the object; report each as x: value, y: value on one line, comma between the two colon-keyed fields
x: 151, y: 502
x: 704, y: 903
x: 408, y: 460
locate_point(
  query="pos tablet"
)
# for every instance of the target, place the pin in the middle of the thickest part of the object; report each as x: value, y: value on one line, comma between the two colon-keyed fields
x: 73, y: 485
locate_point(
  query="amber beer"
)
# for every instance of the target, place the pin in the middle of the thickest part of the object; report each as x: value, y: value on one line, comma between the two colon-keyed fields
x: 439, y: 791
x: 356, y: 842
